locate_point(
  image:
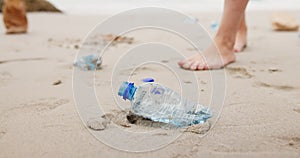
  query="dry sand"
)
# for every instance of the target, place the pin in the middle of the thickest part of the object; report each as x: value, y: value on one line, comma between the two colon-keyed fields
x: 260, y: 117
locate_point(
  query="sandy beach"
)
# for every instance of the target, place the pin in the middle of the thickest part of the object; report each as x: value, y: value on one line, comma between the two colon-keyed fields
x: 260, y: 116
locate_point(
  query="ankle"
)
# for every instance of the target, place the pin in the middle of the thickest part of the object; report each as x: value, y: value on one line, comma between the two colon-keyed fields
x: 225, y: 42
x: 243, y: 30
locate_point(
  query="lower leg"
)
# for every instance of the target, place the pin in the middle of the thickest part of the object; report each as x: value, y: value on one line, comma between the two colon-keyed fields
x: 221, y: 53
x: 241, y: 37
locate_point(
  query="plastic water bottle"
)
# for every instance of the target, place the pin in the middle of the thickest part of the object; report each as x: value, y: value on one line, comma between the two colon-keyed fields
x: 89, y: 62
x: 161, y: 104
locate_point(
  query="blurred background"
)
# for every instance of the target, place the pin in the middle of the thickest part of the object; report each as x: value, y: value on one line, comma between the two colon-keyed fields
x: 114, y: 6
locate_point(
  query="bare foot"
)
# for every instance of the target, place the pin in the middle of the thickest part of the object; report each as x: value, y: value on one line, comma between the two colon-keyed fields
x: 241, y: 40
x: 16, y: 30
x: 211, y: 58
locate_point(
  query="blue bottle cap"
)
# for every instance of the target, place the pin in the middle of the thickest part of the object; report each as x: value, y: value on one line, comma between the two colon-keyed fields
x: 127, y: 90
x: 148, y: 80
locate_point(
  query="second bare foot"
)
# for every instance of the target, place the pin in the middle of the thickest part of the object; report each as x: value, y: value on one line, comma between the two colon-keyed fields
x: 216, y: 56
x: 241, y: 40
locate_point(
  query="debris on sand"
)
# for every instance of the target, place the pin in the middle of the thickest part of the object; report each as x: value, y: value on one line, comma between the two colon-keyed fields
x: 274, y: 69
x: 89, y: 62
x: 57, y: 82
x: 191, y: 20
x: 284, y: 22
x: 67, y: 43
x: 117, y: 39
x: 214, y: 25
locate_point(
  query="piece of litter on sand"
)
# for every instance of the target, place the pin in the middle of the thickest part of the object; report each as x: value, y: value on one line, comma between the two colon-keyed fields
x: 191, y: 20
x: 97, y: 124
x: 214, y: 25
x: 273, y: 69
x: 284, y: 22
x: 188, y: 82
x: 76, y: 46
x: 57, y: 82
x: 117, y: 39
x: 89, y: 62
x: 291, y: 143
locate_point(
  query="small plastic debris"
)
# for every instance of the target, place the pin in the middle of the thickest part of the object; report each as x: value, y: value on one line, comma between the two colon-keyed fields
x: 148, y: 80
x: 89, y: 62
x: 191, y: 20
x: 214, y: 25
x: 57, y: 82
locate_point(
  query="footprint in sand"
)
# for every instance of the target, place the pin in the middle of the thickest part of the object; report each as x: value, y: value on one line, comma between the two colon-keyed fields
x: 22, y: 59
x: 297, y: 110
x: 101, y: 123
x: 5, y: 77
x: 180, y: 156
x: 66, y: 43
x: 294, y: 141
x: 95, y: 40
x: 277, y: 87
x: 45, y: 104
x: 102, y: 83
x: 164, y: 61
x: 145, y: 68
x: 2, y: 133
x: 132, y: 71
x: 199, y: 128
x: 239, y: 72
x: 127, y: 72
x: 127, y: 119
x: 67, y: 66
x: 291, y: 141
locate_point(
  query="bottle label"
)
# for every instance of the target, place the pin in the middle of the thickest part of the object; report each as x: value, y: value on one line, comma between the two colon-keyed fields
x: 157, y: 90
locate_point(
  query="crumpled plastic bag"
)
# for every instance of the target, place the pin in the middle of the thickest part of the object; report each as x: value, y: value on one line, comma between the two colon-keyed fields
x: 89, y: 62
